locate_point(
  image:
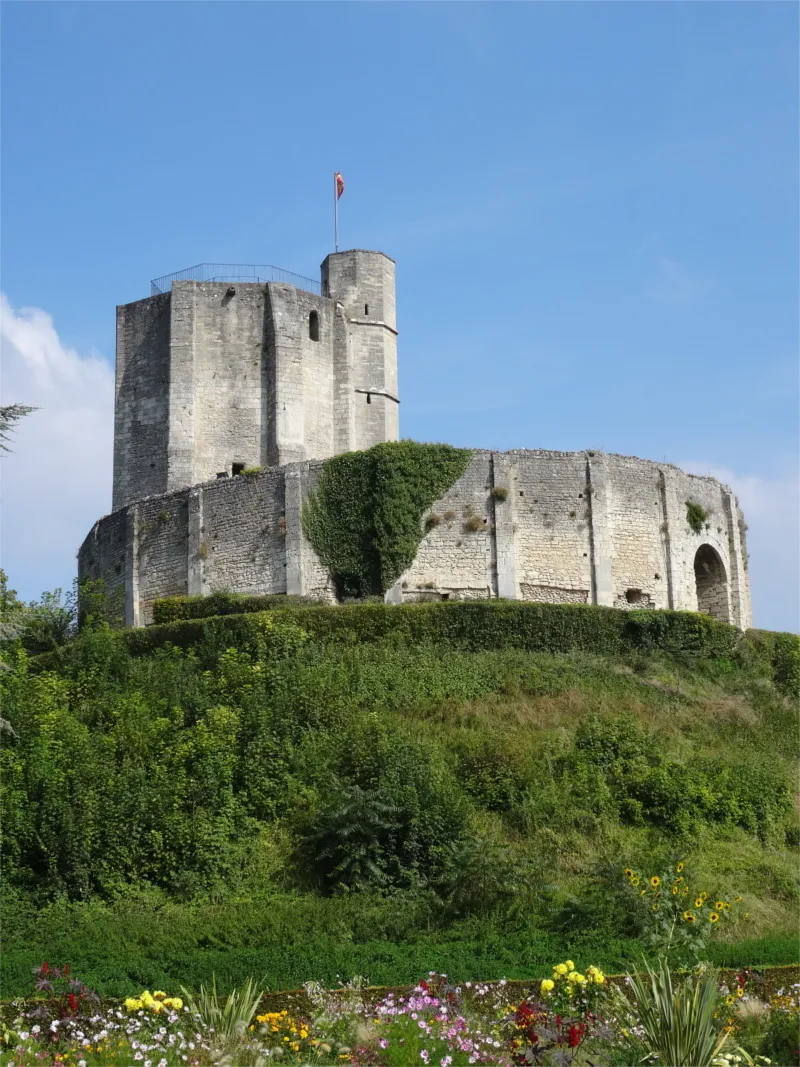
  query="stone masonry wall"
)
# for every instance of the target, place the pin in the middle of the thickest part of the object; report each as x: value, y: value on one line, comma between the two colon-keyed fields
x: 554, y: 527
x: 141, y: 409
x: 212, y: 375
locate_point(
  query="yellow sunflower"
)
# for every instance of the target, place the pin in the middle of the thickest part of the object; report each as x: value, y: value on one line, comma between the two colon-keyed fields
x: 689, y: 917
x: 679, y: 868
x: 634, y: 880
x: 713, y: 917
x: 628, y: 872
x: 655, y: 881
x: 699, y: 902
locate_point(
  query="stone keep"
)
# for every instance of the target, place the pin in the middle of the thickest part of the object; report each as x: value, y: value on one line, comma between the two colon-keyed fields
x: 213, y: 378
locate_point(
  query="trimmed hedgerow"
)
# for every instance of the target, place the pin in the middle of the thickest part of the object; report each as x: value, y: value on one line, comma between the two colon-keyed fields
x: 174, y: 608
x: 475, y: 626
x: 365, y: 517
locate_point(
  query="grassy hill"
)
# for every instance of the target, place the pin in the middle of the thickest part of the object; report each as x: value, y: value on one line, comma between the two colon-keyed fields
x: 318, y: 792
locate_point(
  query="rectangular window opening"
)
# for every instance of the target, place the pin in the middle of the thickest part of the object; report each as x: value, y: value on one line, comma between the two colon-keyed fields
x: 237, y: 468
x: 366, y: 309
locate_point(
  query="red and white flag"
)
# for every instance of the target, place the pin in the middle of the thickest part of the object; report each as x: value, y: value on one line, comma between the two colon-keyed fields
x: 339, y: 184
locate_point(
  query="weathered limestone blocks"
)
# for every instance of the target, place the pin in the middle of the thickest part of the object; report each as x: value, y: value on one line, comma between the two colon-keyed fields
x: 554, y: 527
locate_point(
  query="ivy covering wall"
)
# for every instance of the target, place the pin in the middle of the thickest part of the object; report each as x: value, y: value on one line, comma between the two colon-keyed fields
x: 365, y: 517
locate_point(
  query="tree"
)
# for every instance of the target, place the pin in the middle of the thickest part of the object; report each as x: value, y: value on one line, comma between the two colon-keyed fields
x: 9, y: 415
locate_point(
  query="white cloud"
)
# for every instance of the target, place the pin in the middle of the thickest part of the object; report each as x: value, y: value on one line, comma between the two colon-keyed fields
x: 771, y: 509
x: 57, y: 480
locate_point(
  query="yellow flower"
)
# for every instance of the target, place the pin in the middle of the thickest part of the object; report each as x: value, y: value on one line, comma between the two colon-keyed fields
x: 699, y: 902
x: 738, y: 900
x: 720, y: 905
x: 160, y: 994
x: 655, y: 881
x: 628, y: 872
x: 634, y: 881
x: 689, y: 917
x: 679, y: 867
x: 739, y: 991
x: 561, y: 968
x: 713, y: 917
x: 132, y: 1004
x: 642, y: 892
x: 674, y: 890
x: 730, y: 999
x: 704, y: 896
x: 546, y: 986
x: 570, y: 965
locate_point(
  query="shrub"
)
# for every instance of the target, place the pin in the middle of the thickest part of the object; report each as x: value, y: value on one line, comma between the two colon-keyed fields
x: 249, y: 472
x: 695, y: 516
x: 499, y: 492
x: 473, y: 524
x: 677, y: 1022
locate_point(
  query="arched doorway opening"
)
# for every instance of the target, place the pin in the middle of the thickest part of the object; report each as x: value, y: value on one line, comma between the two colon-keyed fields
x: 712, y: 583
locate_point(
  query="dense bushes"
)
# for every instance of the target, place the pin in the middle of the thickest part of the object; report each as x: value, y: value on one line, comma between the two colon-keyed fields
x: 458, y: 762
x: 196, y: 753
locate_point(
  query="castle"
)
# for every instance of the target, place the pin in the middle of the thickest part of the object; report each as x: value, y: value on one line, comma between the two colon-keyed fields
x: 232, y: 388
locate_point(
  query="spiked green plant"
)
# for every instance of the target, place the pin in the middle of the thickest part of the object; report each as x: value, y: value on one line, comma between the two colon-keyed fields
x: 677, y: 1019
x: 230, y: 1020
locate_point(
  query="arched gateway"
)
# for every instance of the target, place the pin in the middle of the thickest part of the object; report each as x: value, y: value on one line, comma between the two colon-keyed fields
x: 712, y: 584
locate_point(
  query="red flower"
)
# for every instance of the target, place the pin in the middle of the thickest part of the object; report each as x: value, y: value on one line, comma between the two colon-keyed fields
x: 45, y: 967
x: 524, y: 1013
x: 65, y: 972
x: 424, y: 985
x: 575, y: 1035
x: 73, y: 1002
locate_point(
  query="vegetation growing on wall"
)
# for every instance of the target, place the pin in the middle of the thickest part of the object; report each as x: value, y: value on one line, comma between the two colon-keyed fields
x: 695, y: 516
x: 365, y: 517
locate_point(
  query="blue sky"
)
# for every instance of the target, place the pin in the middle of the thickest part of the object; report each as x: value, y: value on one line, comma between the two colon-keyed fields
x: 593, y: 208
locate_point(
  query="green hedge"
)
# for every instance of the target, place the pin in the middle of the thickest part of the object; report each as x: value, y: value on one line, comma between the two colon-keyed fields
x: 175, y: 608
x: 474, y: 626
x: 781, y: 652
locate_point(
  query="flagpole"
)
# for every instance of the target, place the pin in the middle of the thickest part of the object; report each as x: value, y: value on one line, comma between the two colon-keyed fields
x: 335, y: 215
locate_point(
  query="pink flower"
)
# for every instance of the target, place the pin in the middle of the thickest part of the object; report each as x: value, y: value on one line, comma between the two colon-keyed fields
x: 383, y: 1042
x: 424, y: 1055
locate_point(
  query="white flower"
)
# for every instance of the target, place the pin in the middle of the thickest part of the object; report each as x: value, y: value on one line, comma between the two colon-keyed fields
x: 24, y: 1035
x: 81, y: 1063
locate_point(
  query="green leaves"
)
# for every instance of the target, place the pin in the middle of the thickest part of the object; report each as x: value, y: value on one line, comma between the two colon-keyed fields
x: 677, y: 1019
x: 365, y: 518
